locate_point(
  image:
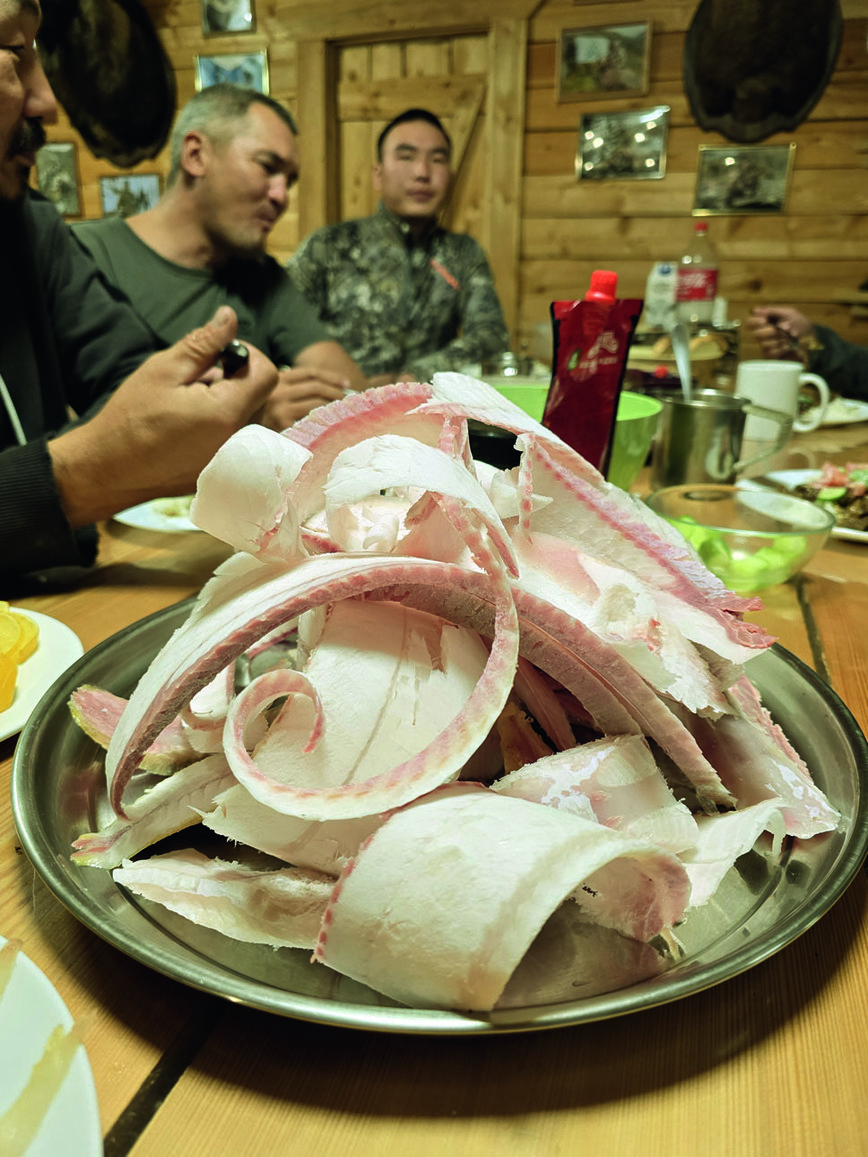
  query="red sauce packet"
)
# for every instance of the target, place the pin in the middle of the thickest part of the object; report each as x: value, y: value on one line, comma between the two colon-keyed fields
x: 590, y: 346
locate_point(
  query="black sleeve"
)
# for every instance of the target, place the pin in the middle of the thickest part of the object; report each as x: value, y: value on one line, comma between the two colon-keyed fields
x: 65, y: 344
x: 97, y: 337
x: 843, y: 364
x: 34, y: 532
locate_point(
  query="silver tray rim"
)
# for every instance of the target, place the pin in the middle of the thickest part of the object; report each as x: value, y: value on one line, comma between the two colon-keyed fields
x: 150, y: 944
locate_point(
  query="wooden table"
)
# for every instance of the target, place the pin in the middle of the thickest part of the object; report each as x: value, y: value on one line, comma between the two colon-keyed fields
x: 774, y: 1061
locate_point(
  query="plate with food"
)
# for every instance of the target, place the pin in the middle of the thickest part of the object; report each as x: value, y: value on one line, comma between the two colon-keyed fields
x: 48, y: 1099
x: 844, y: 411
x: 841, y: 489
x: 169, y: 515
x: 772, y: 895
x: 360, y: 783
x: 54, y: 646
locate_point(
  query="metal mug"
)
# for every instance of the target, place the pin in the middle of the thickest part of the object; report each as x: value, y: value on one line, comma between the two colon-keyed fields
x: 700, y: 440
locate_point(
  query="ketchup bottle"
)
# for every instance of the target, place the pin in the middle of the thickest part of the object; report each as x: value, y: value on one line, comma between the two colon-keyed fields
x: 591, y: 338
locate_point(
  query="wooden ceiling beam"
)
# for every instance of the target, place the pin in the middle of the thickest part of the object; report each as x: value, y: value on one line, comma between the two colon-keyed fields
x: 363, y: 20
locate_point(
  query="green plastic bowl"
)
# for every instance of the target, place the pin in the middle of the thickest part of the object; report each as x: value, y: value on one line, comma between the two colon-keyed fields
x: 528, y: 396
x: 751, y: 539
x: 635, y: 425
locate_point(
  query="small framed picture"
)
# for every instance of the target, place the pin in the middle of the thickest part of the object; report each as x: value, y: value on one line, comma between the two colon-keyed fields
x: 249, y: 69
x: 612, y: 60
x: 750, y: 179
x: 220, y: 16
x: 623, y: 145
x: 57, y: 176
x: 124, y: 196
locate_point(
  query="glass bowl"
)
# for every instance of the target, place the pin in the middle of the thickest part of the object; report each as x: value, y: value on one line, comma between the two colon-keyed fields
x: 751, y: 539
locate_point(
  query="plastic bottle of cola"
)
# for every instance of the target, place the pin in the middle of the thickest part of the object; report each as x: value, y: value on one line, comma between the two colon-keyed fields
x: 696, y: 285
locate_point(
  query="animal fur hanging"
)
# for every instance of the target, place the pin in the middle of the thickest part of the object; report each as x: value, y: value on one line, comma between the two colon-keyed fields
x: 110, y: 73
x: 753, y: 69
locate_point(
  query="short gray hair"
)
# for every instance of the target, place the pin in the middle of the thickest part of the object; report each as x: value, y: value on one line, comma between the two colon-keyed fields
x: 218, y: 111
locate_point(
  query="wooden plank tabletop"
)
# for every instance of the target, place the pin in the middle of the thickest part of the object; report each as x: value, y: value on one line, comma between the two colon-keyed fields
x: 772, y: 1061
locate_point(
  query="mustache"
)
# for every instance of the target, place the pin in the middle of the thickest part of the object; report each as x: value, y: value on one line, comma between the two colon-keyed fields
x: 28, y: 139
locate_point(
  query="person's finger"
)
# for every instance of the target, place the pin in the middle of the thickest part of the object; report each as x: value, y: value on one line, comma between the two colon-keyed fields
x: 197, y: 352
x: 313, y: 374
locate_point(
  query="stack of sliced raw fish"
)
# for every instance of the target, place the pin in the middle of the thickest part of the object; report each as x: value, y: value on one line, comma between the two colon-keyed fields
x: 474, y: 699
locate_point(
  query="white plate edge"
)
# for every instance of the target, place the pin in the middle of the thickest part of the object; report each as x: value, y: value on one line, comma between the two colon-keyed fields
x: 11, y: 721
x: 145, y: 516
x: 78, y: 1088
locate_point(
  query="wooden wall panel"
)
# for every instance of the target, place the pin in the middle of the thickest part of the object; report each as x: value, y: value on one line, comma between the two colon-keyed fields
x: 812, y: 255
x: 508, y: 45
x: 517, y: 180
x: 317, y: 197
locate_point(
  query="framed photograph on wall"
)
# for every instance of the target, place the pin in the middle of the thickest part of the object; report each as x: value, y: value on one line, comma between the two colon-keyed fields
x: 623, y: 146
x: 125, y: 195
x: 221, y: 16
x: 249, y: 69
x: 748, y: 179
x: 612, y: 60
x: 57, y: 176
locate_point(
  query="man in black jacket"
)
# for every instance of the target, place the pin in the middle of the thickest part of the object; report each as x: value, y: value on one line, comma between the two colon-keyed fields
x: 144, y: 424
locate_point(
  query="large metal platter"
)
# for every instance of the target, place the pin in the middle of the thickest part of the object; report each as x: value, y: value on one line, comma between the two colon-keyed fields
x: 766, y: 901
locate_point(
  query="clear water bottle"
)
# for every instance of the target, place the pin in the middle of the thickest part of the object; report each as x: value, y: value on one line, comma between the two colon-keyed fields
x: 696, y: 285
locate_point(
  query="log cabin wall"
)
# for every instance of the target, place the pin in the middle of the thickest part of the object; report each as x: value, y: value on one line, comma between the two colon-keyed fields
x: 813, y: 255
x: 345, y: 66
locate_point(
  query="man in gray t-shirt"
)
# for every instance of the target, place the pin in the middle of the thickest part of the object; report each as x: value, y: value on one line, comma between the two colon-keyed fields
x: 202, y: 245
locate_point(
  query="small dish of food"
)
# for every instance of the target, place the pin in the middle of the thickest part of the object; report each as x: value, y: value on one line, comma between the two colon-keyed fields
x: 842, y: 490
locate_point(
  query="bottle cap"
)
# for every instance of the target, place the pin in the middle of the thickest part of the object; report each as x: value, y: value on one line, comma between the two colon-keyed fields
x: 604, y: 286
x: 700, y: 227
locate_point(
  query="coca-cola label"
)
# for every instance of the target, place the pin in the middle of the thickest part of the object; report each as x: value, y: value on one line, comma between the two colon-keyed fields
x: 696, y: 285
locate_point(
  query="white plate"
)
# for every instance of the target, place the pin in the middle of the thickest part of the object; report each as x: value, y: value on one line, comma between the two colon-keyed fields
x: 844, y: 411
x: 29, y: 1010
x: 58, y: 647
x: 793, y: 478
x: 153, y: 516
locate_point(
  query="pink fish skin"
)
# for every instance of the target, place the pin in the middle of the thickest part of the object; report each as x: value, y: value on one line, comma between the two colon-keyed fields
x: 97, y: 712
x: 271, y: 596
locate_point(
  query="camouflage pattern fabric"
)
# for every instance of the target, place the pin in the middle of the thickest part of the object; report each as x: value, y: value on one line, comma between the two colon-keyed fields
x: 398, y: 304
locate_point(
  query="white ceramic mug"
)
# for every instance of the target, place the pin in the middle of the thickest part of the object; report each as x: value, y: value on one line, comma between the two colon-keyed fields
x: 776, y: 384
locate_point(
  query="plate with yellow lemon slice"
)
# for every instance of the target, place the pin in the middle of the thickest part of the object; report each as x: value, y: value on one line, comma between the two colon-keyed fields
x: 34, y: 650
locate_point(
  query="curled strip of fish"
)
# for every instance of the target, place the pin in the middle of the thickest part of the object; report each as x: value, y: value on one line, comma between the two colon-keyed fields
x: 206, y: 711
x: 241, y: 495
x: 248, y: 706
x: 390, y: 460
x: 170, y: 806
x: 271, y: 597
x: 97, y: 711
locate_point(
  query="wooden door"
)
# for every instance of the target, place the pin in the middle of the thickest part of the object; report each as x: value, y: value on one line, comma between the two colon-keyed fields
x: 375, y: 82
x: 473, y: 80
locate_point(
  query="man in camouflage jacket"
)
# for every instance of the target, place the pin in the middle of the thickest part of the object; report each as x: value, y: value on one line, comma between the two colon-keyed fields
x: 403, y: 296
